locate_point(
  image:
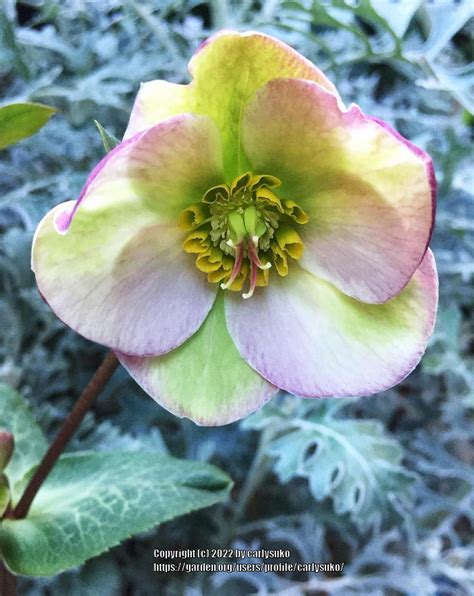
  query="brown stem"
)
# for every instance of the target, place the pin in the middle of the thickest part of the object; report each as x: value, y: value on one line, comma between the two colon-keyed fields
x: 95, y: 386
x: 7, y: 581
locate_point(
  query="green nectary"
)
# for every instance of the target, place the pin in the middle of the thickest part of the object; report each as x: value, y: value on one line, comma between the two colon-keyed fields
x: 242, y: 230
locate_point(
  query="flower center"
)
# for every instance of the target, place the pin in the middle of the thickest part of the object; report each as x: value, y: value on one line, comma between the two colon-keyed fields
x: 242, y: 230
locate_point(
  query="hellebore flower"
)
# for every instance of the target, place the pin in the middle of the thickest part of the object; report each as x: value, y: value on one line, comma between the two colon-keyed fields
x: 250, y: 233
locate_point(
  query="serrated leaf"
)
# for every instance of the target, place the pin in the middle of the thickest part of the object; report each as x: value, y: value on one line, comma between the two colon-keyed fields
x: 108, y: 140
x: 93, y: 501
x: 351, y: 461
x: 21, y: 120
x: 30, y: 444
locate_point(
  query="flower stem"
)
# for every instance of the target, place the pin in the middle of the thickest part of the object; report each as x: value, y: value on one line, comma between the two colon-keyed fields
x: 7, y: 581
x: 255, y: 477
x: 93, y: 389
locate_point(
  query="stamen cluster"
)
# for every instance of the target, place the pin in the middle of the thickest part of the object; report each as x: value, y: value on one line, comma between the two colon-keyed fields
x: 242, y: 230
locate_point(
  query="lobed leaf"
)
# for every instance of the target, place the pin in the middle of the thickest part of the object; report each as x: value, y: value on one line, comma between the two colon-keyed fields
x: 351, y: 461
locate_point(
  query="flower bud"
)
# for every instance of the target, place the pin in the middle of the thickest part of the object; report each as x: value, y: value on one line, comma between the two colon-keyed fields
x: 6, y: 448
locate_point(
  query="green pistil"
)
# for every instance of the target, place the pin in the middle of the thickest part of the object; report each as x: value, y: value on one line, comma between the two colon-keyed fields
x: 245, y: 223
x: 236, y: 227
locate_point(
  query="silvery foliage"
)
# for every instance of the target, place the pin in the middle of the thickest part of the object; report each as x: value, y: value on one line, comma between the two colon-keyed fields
x: 402, y: 521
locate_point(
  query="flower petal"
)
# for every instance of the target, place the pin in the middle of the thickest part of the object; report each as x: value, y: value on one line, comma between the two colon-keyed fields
x: 227, y: 70
x: 122, y: 280
x: 118, y: 274
x: 149, y: 167
x: 205, y: 379
x: 307, y: 337
x: 156, y: 101
x: 369, y: 193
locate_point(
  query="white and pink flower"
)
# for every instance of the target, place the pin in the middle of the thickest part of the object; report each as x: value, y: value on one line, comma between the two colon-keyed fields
x: 250, y: 233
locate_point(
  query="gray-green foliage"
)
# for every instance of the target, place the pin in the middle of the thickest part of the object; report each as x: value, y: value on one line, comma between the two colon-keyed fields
x: 93, y: 501
x: 406, y: 62
x: 351, y: 461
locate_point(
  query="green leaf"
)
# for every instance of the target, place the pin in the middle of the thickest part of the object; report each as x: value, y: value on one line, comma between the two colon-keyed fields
x: 30, y: 444
x: 93, y: 501
x: 109, y: 140
x: 21, y: 120
x: 351, y: 461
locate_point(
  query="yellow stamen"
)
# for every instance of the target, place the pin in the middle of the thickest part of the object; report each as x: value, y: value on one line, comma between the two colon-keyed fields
x: 295, y: 211
x: 192, y: 216
x: 267, y: 196
x: 240, y: 183
x: 209, y: 261
x: 289, y: 241
x: 239, y: 231
x: 264, y: 180
x: 220, y: 192
x: 197, y: 241
x: 279, y: 260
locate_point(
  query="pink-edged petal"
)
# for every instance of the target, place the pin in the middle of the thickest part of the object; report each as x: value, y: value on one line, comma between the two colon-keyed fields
x: 137, y: 292
x: 149, y: 167
x: 305, y: 336
x: 205, y: 379
x: 369, y: 193
x: 227, y: 70
x: 116, y: 272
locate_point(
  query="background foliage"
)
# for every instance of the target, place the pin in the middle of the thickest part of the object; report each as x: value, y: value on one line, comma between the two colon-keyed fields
x: 384, y: 484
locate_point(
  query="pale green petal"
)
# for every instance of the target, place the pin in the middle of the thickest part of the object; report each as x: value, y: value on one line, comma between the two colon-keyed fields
x: 205, y: 379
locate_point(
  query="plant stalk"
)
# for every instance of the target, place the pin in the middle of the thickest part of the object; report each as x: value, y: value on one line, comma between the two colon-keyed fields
x: 93, y: 389
x: 255, y: 477
x: 7, y: 581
